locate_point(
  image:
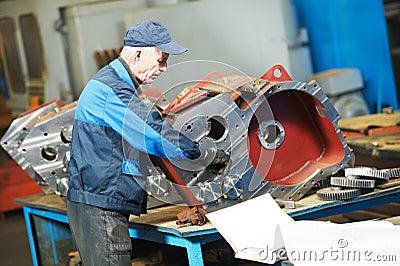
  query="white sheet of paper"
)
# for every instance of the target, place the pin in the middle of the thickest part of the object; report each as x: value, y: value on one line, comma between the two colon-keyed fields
x: 250, y: 228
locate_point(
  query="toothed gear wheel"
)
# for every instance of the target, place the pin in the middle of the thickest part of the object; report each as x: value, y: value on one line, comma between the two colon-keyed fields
x: 352, y: 182
x: 366, y: 172
x: 392, y: 172
x: 337, y: 193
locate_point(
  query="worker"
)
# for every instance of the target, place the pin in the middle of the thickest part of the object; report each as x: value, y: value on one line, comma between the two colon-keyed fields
x: 105, y: 181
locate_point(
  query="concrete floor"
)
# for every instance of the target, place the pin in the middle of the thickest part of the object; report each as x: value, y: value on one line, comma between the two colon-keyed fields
x: 14, y: 245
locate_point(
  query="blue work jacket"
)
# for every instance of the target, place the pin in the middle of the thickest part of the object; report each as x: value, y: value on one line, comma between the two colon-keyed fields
x: 113, y: 130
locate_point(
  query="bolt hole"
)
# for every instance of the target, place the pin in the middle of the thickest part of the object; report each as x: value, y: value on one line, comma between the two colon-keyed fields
x: 277, y: 72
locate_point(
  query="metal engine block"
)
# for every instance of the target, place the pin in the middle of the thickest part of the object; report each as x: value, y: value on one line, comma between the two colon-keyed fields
x: 281, y: 135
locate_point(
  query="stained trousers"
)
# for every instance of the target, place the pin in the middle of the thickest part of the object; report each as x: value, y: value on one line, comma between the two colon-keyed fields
x: 101, y: 236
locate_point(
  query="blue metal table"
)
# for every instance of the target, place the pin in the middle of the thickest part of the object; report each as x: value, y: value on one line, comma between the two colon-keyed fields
x: 157, y: 226
x: 51, y: 208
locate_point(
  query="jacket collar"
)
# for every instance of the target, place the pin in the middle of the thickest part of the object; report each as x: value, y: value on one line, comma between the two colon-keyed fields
x: 123, y: 72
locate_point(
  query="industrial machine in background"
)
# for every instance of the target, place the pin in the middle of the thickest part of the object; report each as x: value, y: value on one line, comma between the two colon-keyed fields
x: 344, y: 89
x: 281, y: 135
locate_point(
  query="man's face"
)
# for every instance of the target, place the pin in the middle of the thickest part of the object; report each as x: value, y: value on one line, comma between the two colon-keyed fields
x: 150, y: 65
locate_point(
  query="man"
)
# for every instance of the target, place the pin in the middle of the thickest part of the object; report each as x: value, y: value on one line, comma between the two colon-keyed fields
x: 103, y: 180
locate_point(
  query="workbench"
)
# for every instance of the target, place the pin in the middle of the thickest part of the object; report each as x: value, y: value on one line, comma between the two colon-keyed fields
x: 47, y: 222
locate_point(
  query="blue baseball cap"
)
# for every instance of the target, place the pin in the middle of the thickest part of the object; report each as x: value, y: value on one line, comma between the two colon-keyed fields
x: 150, y: 33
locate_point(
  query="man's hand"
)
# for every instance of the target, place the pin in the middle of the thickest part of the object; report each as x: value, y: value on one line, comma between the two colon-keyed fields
x: 219, y: 163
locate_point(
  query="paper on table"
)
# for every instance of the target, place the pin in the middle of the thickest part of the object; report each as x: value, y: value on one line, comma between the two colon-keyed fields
x: 259, y: 230
x: 250, y: 228
x: 311, y: 243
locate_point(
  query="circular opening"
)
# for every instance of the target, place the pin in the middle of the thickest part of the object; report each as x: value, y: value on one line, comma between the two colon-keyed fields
x: 49, y: 153
x: 66, y: 134
x: 277, y: 72
x: 271, y: 134
x: 216, y: 128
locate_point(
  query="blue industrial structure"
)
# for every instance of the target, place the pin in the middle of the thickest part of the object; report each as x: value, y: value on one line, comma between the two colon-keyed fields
x: 352, y: 34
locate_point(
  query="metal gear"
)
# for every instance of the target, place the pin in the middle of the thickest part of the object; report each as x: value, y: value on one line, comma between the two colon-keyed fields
x: 338, y: 193
x: 392, y: 172
x: 352, y: 182
x: 367, y: 172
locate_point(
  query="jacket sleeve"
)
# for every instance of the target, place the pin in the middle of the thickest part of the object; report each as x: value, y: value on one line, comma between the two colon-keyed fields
x: 145, y: 130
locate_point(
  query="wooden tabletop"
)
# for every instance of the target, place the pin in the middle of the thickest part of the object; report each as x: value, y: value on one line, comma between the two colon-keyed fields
x: 162, y: 219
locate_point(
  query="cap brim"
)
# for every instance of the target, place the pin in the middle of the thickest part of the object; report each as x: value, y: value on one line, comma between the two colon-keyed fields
x: 172, y: 48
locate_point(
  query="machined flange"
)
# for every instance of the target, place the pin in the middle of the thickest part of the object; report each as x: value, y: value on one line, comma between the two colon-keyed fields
x: 338, y: 193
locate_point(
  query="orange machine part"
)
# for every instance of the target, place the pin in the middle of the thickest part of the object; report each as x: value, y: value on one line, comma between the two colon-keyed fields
x: 311, y: 142
x: 14, y: 183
